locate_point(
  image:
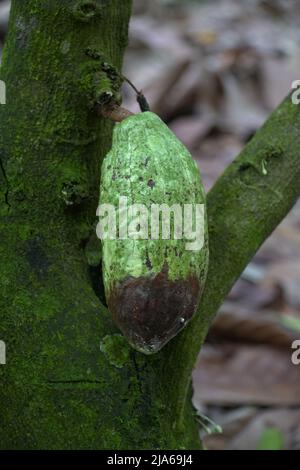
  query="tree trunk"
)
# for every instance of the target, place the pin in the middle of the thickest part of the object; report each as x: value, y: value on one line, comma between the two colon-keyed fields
x: 71, y: 381
x: 59, y: 390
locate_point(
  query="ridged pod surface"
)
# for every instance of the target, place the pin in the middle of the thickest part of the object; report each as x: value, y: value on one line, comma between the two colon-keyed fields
x: 152, y: 286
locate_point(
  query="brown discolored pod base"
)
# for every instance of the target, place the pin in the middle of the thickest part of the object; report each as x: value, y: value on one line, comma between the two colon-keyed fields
x: 152, y: 310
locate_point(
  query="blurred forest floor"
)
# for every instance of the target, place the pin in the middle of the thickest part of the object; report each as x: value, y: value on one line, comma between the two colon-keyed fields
x: 214, y: 70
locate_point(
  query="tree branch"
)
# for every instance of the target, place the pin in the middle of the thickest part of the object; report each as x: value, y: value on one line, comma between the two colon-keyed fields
x: 245, y: 205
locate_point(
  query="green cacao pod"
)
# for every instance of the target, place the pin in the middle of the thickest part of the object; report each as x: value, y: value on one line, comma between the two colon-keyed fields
x: 154, y: 260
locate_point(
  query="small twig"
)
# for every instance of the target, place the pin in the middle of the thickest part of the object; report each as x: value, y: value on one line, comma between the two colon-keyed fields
x: 111, y: 110
x: 131, y: 84
x: 140, y: 97
x: 114, y: 112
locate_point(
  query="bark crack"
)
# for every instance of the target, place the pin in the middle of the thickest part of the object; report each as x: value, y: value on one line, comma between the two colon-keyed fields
x: 138, y: 375
x: 6, y: 181
x: 78, y: 381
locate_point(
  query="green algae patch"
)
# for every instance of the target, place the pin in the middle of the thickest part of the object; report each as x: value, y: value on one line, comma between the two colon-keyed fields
x: 116, y: 350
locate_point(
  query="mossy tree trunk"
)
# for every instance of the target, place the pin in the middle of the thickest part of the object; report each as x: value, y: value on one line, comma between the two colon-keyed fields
x: 70, y: 381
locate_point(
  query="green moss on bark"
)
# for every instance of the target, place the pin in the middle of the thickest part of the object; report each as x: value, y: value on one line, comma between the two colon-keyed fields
x: 58, y: 390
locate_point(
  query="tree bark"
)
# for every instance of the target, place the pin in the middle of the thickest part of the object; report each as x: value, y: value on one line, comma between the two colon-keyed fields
x: 71, y: 381
x: 244, y: 207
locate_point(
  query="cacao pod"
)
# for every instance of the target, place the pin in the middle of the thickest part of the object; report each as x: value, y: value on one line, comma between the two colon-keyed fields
x: 152, y: 283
